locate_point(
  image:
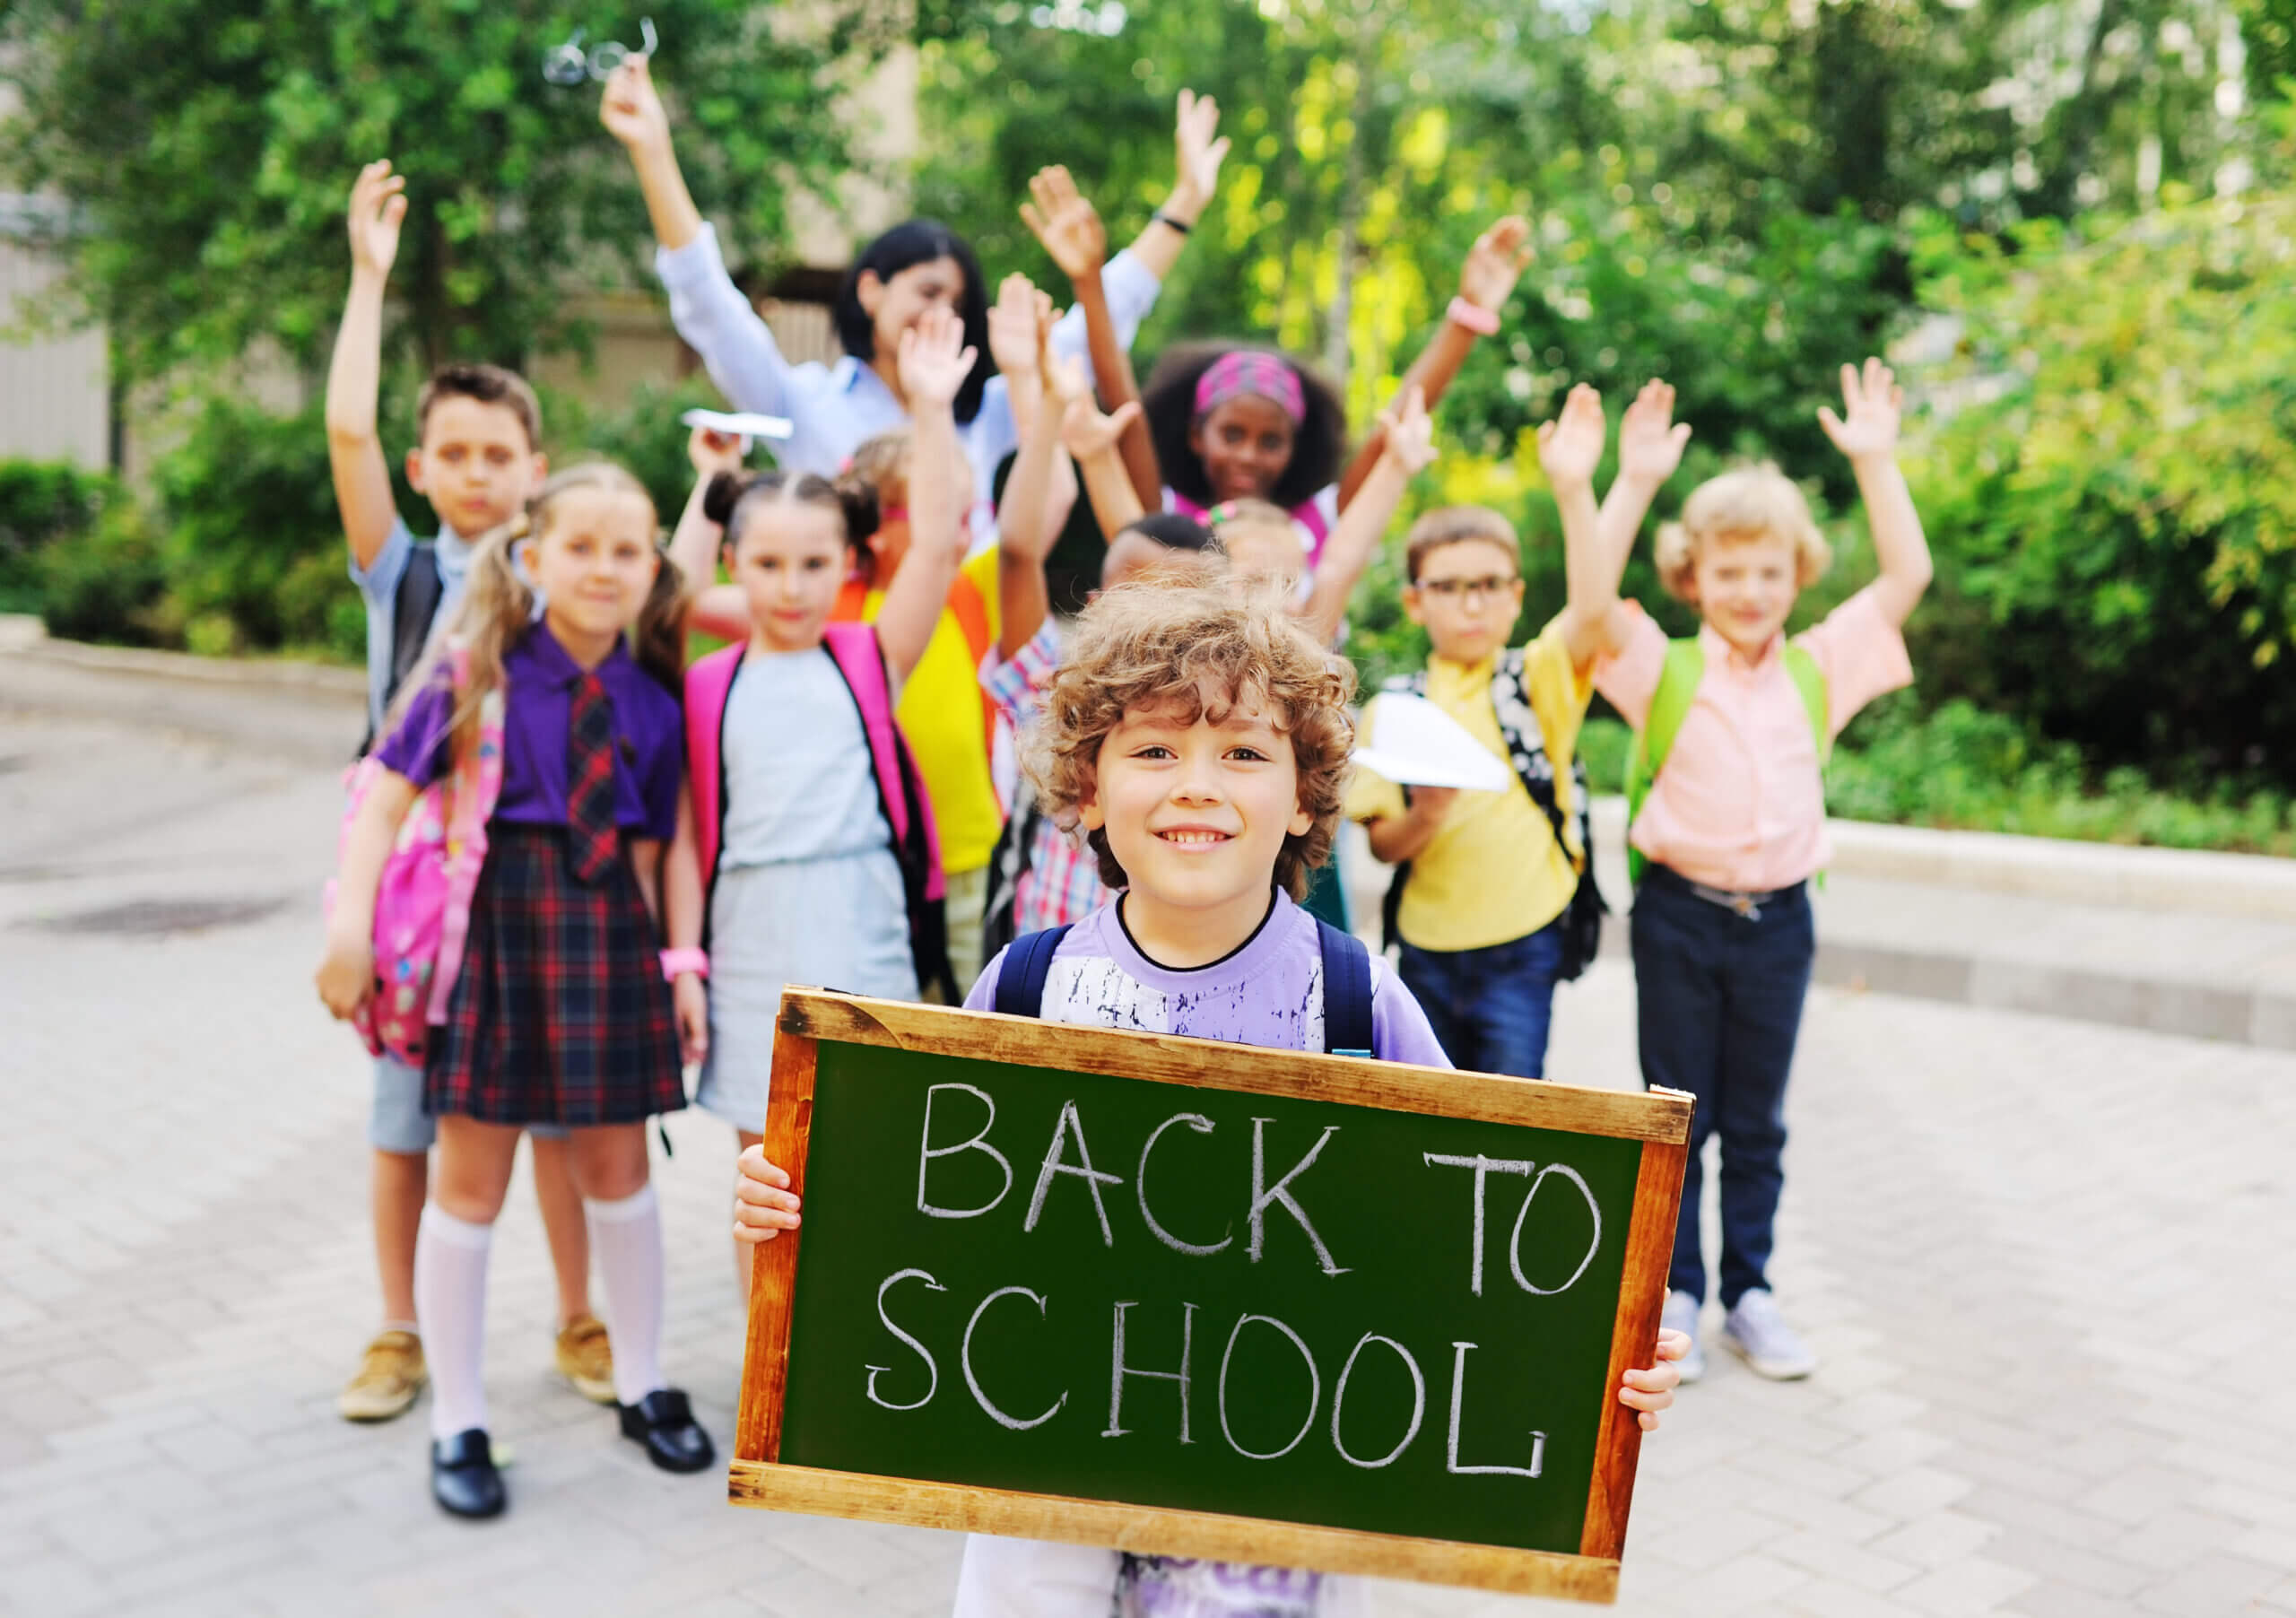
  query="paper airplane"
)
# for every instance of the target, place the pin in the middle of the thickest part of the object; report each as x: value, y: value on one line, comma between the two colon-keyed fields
x: 1420, y: 745
x: 748, y: 423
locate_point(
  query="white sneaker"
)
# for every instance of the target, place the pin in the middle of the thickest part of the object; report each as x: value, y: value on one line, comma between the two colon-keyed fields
x: 1681, y: 1315
x: 1758, y: 1333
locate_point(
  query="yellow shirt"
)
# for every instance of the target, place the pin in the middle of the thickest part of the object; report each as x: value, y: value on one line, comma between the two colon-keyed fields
x: 1492, y: 872
x: 941, y: 712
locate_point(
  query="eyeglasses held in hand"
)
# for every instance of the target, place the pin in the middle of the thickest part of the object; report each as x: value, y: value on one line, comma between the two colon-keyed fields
x: 1494, y: 585
x: 567, y: 65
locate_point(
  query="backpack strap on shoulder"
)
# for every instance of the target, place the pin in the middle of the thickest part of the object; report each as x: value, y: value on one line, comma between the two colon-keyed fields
x: 1347, y: 992
x: 1028, y: 962
x: 1810, y: 680
x: 1678, y: 682
x: 413, y: 604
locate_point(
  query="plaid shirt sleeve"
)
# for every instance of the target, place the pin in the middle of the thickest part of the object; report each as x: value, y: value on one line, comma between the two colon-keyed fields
x: 1013, y: 683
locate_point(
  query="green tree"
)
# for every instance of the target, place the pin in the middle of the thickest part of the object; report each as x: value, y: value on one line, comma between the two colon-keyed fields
x: 207, y: 147
x: 2116, y: 500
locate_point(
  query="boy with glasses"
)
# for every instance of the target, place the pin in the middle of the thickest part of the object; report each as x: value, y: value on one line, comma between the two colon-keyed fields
x: 1493, y: 902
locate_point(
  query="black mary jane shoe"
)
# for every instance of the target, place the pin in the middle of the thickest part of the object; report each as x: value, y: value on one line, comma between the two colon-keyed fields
x: 463, y: 1478
x: 663, y: 1423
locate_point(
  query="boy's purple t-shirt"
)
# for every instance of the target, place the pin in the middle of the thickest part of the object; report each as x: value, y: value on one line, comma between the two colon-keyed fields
x: 1269, y: 992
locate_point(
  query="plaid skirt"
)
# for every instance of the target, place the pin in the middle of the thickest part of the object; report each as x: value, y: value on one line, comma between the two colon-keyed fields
x: 561, y: 1015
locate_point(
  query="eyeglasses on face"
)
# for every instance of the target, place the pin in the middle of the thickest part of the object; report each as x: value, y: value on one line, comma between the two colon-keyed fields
x: 567, y: 65
x: 1490, y: 583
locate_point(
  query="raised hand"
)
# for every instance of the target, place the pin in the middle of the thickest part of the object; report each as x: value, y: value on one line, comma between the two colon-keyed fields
x: 631, y: 111
x: 1495, y: 263
x: 1012, y: 326
x: 378, y: 208
x: 1571, y: 444
x: 1064, y: 220
x: 1650, y: 440
x: 1410, y: 431
x: 934, y: 359
x: 712, y: 451
x: 1873, y: 405
x: 1084, y: 428
x: 1199, y: 149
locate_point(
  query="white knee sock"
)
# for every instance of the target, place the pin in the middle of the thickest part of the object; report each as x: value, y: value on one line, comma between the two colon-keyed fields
x: 451, y: 1302
x: 626, y: 1236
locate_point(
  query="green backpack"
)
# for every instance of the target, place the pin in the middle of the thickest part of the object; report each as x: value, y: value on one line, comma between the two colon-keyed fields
x: 1685, y: 667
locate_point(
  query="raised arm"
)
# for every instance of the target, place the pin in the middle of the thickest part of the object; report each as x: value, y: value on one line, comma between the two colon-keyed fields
x: 1408, y: 436
x: 1066, y: 223
x: 934, y: 364
x: 708, y: 311
x: 1571, y: 447
x: 1649, y: 448
x: 362, y: 477
x: 1026, y: 524
x: 712, y: 608
x: 1867, y: 432
x: 633, y: 113
x: 1198, y: 150
x: 1486, y: 281
x: 1091, y: 439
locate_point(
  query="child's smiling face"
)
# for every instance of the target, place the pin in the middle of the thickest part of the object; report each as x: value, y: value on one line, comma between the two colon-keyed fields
x: 1246, y: 444
x: 1195, y: 809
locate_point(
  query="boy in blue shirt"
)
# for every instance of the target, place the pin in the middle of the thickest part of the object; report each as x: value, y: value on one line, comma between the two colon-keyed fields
x: 476, y: 458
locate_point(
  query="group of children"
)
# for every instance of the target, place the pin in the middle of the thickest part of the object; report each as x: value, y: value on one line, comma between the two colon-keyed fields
x: 670, y: 843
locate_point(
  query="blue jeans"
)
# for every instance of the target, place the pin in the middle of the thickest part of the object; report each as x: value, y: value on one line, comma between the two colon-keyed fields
x: 1490, y: 1007
x: 1719, y: 1005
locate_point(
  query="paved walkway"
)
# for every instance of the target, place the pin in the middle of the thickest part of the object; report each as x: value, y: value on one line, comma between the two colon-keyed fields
x: 2046, y: 1263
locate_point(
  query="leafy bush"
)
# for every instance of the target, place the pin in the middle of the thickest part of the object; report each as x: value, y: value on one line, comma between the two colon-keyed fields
x: 254, y: 546
x: 644, y: 436
x: 1961, y: 768
x: 2116, y: 530
x: 41, y: 502
x: 105, y: 584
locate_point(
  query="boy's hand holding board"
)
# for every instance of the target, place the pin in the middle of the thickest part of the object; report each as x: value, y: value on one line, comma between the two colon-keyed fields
x: 1204, y: 1300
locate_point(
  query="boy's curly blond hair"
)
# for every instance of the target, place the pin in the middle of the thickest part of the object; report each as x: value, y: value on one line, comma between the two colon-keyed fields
x: 1201, y: 646
x: 1748, y: 502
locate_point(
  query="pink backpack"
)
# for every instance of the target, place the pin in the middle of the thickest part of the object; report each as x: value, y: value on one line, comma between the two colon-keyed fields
x: 901, y: 791
x: 422, y: 902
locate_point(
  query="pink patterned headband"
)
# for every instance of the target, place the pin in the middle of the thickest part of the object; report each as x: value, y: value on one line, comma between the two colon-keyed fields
x: 1243, y: 370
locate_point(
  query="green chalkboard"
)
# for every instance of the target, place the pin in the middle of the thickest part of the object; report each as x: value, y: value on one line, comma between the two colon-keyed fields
x: 1390, y: 1321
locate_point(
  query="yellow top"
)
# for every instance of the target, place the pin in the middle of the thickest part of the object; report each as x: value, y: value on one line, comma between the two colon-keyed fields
x: 1492, y: 872
x: 940, y: 712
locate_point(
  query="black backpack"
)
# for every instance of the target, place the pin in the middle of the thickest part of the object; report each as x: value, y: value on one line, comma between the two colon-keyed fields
x: 1347, y: 984
x: 413, y: 604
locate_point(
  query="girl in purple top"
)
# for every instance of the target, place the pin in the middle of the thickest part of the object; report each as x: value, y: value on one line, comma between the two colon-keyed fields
x: 1200, y: 742
x: 560, y: 1013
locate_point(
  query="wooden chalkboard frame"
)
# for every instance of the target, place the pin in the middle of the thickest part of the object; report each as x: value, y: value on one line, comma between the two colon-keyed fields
x: 1659, y: 1120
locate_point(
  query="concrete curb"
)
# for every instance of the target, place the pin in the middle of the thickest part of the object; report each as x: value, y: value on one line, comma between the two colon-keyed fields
x: 2254, y: 886
x: 2239, y: 1015
x: 306, y: 712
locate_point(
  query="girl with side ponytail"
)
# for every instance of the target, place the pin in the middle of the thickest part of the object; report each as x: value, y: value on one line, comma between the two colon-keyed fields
x: 559, y: 1012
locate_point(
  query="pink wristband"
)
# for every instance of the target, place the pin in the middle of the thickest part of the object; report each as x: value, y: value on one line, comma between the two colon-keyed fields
x: 676, y: 963
x: 1482, y: 322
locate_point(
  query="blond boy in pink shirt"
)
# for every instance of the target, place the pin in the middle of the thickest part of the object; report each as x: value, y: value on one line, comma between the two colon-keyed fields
x: 1733, y: 822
